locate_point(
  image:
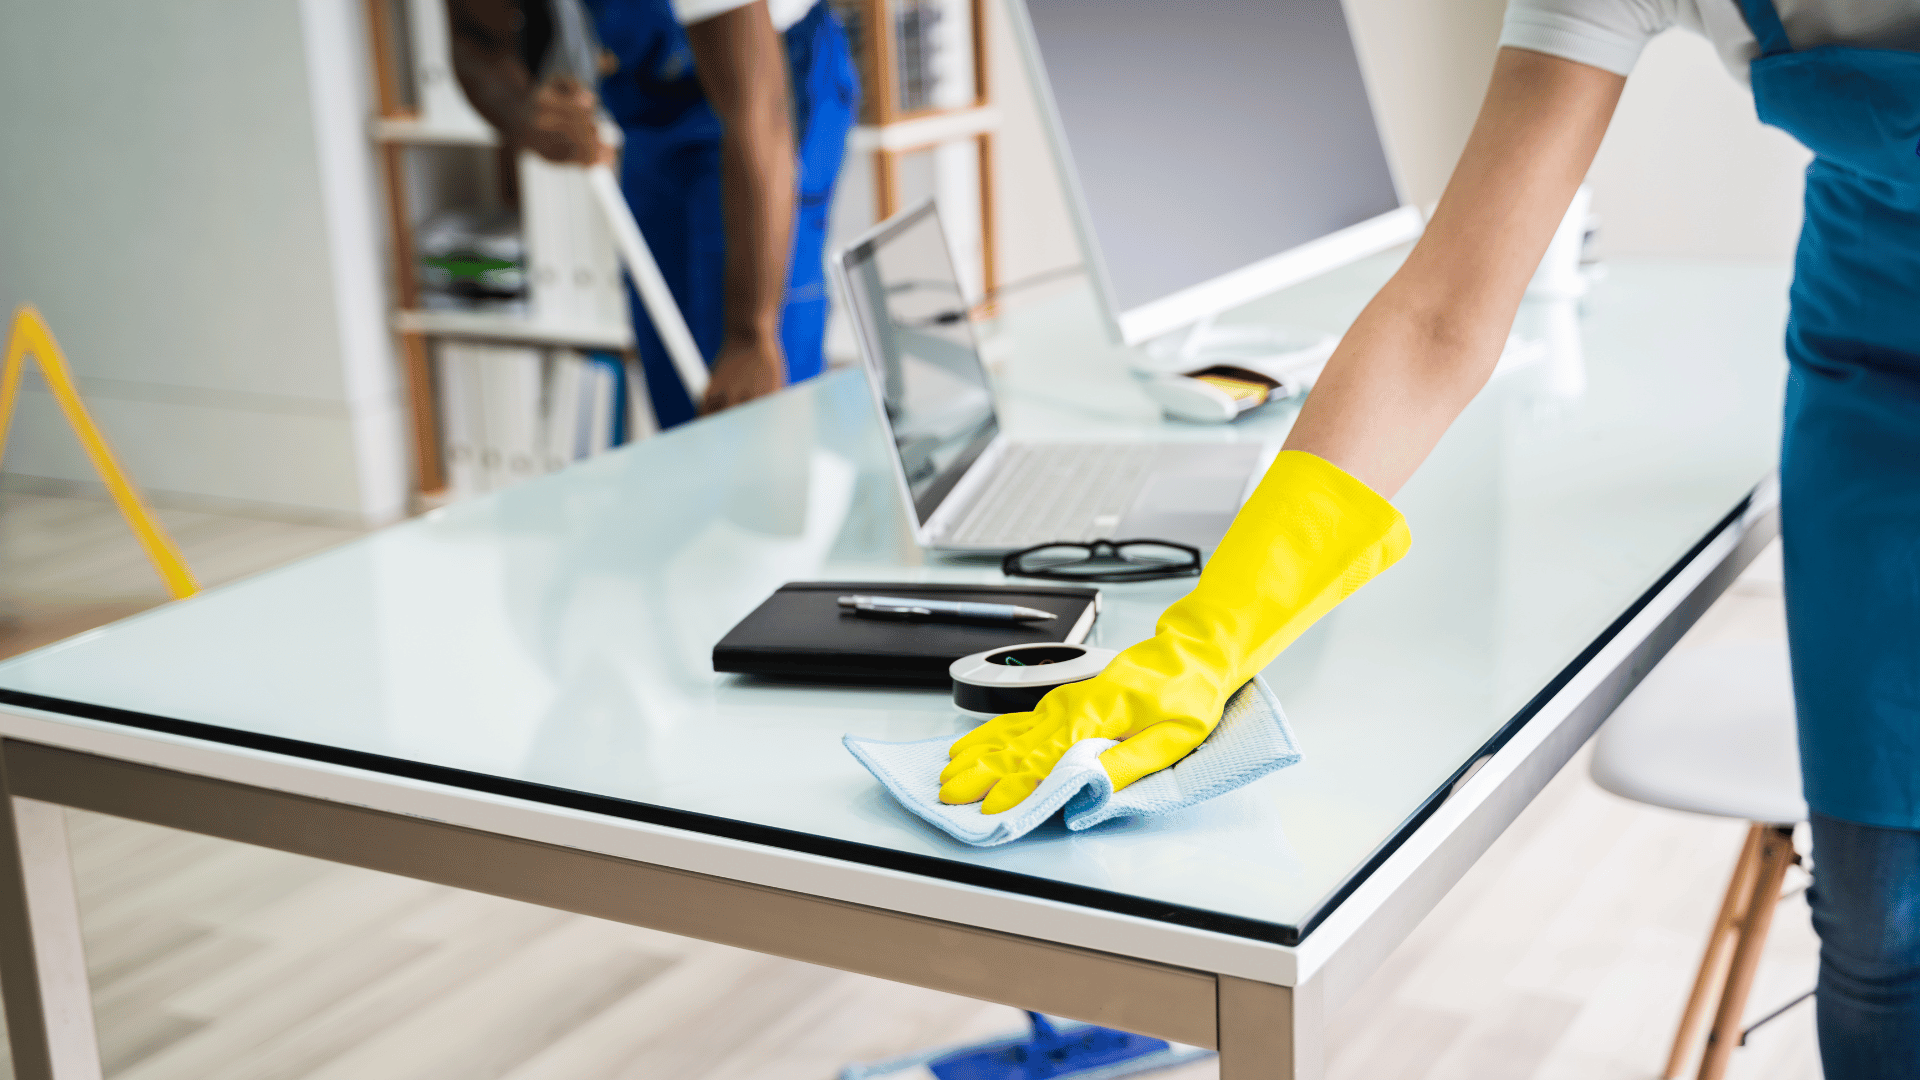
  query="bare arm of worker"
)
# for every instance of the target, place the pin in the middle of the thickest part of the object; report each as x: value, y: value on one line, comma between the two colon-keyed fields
x: 743, y: 69
x: 1430, y: 338
x: 554, y: 120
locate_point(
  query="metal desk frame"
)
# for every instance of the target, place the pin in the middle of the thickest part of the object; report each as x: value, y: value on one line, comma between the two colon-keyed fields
x: 1265, y: 1029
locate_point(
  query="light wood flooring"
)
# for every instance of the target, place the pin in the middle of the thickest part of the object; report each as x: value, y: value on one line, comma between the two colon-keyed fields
x: 1563, y: 956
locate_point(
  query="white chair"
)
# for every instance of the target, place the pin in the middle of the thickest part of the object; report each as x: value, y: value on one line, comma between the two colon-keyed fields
x: 1711, y: 731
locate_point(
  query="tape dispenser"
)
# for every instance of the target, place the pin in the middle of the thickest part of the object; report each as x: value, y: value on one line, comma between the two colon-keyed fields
x: 1015, y: 677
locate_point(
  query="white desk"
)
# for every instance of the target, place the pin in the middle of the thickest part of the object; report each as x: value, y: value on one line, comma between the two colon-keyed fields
x: 513, y: 695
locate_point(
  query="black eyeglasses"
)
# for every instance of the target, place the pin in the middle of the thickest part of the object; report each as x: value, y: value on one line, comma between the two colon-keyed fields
x: 1104, y: 560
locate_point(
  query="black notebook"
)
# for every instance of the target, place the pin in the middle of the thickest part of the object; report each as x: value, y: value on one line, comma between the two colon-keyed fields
x: 801, y: 632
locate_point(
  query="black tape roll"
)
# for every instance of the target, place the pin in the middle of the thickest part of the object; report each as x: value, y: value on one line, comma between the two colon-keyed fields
x: 1000, y: 699
x: 1016, y: 677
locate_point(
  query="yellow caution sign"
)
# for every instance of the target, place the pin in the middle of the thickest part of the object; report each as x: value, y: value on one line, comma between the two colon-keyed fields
x: 30, y: 336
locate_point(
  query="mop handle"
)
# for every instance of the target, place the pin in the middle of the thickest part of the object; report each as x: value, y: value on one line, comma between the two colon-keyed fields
x: 667, y: 321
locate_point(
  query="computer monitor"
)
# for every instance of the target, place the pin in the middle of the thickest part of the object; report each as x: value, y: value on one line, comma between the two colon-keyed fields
x: 1212, y: 152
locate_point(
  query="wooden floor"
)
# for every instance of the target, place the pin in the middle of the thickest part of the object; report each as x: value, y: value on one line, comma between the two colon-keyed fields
x: 68, y: 565
x: 1565, y: 954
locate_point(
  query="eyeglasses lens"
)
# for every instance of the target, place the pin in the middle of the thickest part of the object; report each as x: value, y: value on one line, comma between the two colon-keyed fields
x: 1056, y: 557
x: 1147, y: 555
x: 1141, y: 558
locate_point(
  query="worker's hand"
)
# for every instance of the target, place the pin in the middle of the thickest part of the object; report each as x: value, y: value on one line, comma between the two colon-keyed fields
x: 559, y: 124
x: 1307, y: 538
x: 744, y: 369
x: 1158, y: 716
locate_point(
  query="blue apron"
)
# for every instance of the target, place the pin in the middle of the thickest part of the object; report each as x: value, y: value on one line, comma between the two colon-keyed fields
x: 670, y: 172
x: 1850, y: 459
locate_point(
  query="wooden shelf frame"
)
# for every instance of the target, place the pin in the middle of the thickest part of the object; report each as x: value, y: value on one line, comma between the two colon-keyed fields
x: 879, y: 68
x: 430, y: 471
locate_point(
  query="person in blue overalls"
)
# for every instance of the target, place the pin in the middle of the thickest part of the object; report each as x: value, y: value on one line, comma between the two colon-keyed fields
x: 1843, y: 77
x: 734, y: 115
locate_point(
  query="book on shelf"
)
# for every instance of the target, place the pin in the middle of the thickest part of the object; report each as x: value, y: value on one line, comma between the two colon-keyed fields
x: 563, y: 411
x: 514, y: 397
x: 603, y: 415
x: 509, y: 413
x: 572, y: 269
x: 917, y: 55
x: 459, y: 401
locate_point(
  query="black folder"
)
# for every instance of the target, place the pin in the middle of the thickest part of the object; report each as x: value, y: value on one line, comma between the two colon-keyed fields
x: 802, y: 633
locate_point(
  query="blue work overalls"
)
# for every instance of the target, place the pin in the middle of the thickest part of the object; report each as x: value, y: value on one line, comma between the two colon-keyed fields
x: 670, y: 172
x: 1850, y: 525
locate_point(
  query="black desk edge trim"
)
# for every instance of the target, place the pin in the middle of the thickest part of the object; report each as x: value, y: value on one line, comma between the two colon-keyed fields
x: 766, y: 835
x: 866, y: 854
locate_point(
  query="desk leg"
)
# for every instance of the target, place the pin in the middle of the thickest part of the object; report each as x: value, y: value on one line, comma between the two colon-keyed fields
x: 43, y: 969
x: 1271, y: 1032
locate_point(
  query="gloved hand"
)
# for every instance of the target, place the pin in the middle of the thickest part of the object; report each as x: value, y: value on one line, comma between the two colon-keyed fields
x: 1309, y: 537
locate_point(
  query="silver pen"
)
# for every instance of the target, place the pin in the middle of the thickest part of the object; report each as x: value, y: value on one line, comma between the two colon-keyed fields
x: 905, y: 607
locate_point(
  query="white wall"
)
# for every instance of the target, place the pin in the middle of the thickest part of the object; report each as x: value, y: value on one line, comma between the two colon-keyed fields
x: 1686, y: 169
x: 1427, y: 67
x: 188, y: 196
x: 1032, y: 232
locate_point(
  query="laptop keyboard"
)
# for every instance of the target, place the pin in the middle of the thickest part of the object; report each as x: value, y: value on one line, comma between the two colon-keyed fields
x: 1057, y: 491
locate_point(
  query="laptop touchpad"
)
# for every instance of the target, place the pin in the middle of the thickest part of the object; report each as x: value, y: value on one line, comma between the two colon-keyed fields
x: 1191, y: 493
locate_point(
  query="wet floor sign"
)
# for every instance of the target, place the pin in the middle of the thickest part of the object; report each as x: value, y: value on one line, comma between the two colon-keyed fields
x: 30, y: 337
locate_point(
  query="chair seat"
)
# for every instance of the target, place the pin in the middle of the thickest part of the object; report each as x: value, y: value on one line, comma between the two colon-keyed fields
x: 1709, y: 731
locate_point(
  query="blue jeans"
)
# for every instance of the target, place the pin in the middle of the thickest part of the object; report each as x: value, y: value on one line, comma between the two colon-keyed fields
x: 1866, y: 908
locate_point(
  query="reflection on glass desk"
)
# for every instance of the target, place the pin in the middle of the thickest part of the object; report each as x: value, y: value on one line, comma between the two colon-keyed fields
x: 551, y: 641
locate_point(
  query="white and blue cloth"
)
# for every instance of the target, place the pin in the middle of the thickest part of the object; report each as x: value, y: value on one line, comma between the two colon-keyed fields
x: 1252, y: 740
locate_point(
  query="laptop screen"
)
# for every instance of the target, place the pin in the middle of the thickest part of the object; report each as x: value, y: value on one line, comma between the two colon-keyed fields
x: 920, y: 353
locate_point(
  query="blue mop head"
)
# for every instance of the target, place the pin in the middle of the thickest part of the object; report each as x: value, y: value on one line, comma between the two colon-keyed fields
x: 1069, y: 1052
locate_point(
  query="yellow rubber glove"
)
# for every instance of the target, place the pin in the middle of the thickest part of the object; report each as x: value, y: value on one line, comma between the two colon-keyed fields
x: 1309, y: 537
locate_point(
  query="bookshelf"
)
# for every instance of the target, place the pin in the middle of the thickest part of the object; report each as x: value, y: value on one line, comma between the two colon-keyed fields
x: 927, y: 120
x: 436, y: 154
x: 926, y: 128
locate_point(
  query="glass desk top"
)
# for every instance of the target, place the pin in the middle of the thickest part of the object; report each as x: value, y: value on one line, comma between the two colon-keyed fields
x: 552, y: 641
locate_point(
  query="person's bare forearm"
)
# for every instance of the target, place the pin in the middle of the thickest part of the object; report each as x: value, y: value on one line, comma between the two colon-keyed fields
x: 1430, y: 339
x: 486, y: 61
x: 743, y: 69
x: 556, y: 121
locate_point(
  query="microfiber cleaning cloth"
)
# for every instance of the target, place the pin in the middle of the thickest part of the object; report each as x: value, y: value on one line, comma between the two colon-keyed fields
x: 1251, y: 740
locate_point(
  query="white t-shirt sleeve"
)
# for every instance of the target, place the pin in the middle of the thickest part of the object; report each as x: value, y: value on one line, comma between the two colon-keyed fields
x: 1604, y: 33
x: 693, y: 11
x: 784, y: 12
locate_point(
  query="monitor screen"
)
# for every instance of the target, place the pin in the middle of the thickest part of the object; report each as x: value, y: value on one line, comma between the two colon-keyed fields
x: 921, y: 354
x: 1207, y: 137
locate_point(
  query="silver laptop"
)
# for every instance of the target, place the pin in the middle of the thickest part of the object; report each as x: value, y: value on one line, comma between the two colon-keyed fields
x: 970, y: 487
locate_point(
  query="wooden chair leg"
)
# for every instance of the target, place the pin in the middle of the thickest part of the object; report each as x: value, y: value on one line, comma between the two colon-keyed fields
x: 1776, y: 854
x: 1713, y: 966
